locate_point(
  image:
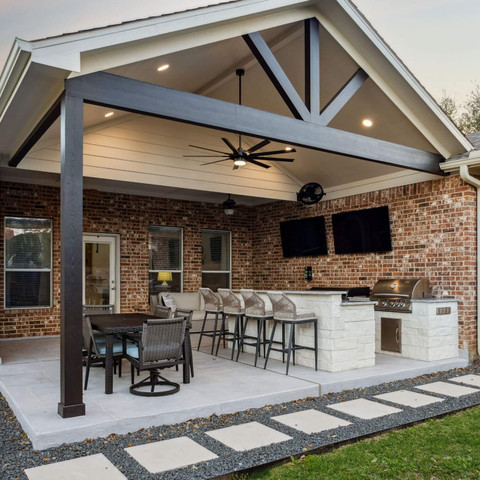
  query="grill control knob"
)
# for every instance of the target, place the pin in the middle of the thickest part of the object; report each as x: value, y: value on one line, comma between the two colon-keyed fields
x: 384, y: 303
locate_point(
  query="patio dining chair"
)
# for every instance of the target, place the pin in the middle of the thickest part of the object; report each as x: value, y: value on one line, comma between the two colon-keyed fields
x: 161, y: 346
x: 96, y: 349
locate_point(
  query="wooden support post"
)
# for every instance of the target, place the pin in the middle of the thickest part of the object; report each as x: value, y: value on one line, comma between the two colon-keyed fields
x: 312, y: 68
x: 71, y: 223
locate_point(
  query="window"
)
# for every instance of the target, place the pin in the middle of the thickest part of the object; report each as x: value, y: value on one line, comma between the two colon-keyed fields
x: 28, y: 262
x: 165, y: 260
x: 216, y: 270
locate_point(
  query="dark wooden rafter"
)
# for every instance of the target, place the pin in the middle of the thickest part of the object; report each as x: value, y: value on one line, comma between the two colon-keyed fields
x: 71, y: 231
x: 312, y: 68
x: 144, y: 98
x: 275, y: 73
x: 343, y: 96
x: 43, y: 125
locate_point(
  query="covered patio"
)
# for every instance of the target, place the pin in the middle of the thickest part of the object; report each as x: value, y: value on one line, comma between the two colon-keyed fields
x: 102, y: 136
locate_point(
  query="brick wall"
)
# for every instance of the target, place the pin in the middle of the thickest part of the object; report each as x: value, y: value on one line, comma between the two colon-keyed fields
x: 433, y: 233
x: 129, y: 216
x: 433, y: 228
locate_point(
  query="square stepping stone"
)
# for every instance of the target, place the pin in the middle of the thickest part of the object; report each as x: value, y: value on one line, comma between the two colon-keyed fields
x: 91, y: 467
x: 408, y: 398
x: 473, y: 380
x: 363, y: 408
x: 170, y: 454
x: 248, y: 436
x: 447, y: 389
x: 311, y: 421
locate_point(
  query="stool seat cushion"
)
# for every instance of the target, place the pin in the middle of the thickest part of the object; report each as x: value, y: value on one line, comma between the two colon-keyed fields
x: 268, y: 313
x: 304, y: 313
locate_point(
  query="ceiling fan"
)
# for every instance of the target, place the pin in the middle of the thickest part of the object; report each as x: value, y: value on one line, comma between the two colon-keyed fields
x: 241, y: 156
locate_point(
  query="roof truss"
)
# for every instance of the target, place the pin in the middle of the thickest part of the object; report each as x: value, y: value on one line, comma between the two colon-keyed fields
x: 308, y: 129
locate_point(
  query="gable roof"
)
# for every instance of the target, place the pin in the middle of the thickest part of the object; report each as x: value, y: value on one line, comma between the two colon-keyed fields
x: 36, y: 70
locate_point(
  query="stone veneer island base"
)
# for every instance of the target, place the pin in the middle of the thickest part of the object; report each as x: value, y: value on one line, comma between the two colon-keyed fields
x: 346, y: 331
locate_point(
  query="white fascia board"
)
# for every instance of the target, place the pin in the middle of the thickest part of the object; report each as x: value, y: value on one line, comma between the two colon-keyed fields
x: 386, y: 53
x: 66, y: 48
x: 17, y: 64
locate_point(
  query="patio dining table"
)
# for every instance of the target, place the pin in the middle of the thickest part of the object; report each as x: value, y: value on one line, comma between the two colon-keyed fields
x: 120, y: 323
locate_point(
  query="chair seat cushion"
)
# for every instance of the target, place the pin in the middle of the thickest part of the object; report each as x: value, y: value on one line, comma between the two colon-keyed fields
x: 132, y: 350
x: 303, y: 313
x: 117, y: 347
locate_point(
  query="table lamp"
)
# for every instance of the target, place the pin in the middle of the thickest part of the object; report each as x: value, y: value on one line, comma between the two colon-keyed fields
x: 164, y: 277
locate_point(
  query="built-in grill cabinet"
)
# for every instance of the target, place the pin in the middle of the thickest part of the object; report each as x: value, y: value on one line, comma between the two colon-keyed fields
x: 391, y: 334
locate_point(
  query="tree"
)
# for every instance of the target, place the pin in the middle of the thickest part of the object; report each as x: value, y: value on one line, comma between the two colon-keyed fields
x: 467, y: 115
x: 448, y: 105
x: 469, y: 121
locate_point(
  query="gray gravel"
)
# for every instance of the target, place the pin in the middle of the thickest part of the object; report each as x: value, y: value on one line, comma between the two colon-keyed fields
x: 16, y: 452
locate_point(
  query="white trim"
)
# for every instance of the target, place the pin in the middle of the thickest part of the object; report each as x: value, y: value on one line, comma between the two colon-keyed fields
x: 115, y: 261
x: 44, y: 270
x: 181, y: 254
x: 230, y: 272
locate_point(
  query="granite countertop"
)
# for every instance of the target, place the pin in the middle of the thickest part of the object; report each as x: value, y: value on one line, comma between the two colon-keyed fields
x: 350, y: 303
x: 303, y: 292
x: 434, y: 300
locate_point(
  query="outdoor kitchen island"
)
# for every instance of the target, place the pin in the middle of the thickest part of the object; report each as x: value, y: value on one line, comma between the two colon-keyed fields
x: 346, y: 330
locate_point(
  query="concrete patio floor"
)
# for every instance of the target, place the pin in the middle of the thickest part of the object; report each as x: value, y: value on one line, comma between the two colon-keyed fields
x: 29, y: 380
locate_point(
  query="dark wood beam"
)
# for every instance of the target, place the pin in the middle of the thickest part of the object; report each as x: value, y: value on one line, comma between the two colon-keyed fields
x: 275, y: 73
x: 312, y: 68
x: 71, y: 230
x: 343, y: 96
x: 43, y: 125
x: 145, y: 98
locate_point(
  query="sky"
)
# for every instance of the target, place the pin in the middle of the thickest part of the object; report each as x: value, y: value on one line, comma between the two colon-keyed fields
x: 436, y: 39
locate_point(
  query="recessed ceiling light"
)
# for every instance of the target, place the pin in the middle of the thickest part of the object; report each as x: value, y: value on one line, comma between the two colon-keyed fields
x: 288, y: 149
x: 109, y: 114
x: 367, y: 122
x: 162, y: 68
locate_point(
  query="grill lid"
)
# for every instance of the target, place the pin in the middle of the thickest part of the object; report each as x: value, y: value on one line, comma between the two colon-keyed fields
x: 402, y: 288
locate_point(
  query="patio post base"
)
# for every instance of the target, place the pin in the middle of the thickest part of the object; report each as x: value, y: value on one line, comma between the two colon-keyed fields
x: 69, y: 411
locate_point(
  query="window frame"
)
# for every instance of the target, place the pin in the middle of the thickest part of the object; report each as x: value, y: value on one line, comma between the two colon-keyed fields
x: 208, y: 230
x: 43, y: 270
x: 165, y: 227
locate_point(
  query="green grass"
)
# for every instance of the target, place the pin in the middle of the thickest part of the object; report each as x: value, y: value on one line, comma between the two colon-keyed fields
x: 448, y: 448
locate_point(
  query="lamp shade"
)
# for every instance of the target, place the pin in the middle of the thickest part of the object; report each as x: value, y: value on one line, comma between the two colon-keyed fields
x: 164, y: 277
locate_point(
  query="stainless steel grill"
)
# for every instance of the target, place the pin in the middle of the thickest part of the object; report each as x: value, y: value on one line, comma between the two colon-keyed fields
x: 396, y: 294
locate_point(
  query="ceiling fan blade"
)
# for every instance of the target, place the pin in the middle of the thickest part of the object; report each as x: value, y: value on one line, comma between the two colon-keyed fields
x: 258, y: 163
x: 229, y: 144
x: 207, y: 156
x: 276, y: 152
x: 235, y: 167
x: 258, y: 146
x: 209, y: 149
x: 274, y: 159
x: 216, y: 161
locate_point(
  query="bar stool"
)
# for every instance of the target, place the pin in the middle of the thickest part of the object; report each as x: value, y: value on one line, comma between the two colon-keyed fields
x: 285, y: 312
x: 232, y: 307
x: 213, y: 306
x: 255, y: 310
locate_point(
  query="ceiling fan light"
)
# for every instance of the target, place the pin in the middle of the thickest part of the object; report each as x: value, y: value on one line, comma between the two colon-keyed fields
x: 240, y: 162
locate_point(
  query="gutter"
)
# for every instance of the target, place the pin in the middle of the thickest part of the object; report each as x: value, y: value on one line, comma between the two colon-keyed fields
x: 466, y: 177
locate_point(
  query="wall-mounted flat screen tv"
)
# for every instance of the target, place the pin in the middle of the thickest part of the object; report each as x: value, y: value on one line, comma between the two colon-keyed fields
x: 362, y: 231
x: 304, y: 238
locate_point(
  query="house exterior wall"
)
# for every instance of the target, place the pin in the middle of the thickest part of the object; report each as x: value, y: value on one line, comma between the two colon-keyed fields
x: 433, y: 232
x: 130, y: 216
x: 433, y: 227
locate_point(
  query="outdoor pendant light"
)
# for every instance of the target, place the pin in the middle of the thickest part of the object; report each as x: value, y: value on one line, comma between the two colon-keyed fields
x: 229, y: 206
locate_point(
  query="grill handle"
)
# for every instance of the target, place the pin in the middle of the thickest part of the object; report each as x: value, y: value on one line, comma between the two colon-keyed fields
x: 404, y: 295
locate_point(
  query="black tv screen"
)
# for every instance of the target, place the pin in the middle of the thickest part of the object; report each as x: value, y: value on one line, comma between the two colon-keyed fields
x: 362, y: 231
x: 304, y: 238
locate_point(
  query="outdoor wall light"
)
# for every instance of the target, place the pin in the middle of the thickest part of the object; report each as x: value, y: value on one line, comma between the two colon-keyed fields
x: 162, y: 68
x: 367, y: 122
x: 229, y: 206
